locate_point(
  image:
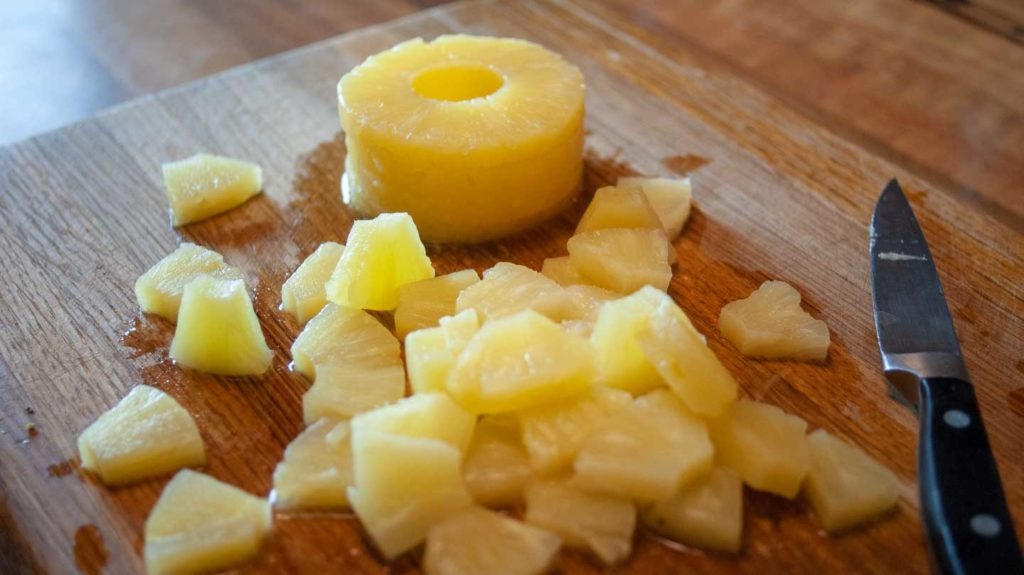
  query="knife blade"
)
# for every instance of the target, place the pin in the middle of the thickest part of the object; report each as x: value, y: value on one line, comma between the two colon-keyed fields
x: 967, y: 524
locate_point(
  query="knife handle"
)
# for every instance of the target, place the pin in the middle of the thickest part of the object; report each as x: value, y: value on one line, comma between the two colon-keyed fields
x: 967, y: 523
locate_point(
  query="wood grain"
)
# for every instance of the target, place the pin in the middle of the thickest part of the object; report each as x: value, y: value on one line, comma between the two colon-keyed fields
x: 82, y: 214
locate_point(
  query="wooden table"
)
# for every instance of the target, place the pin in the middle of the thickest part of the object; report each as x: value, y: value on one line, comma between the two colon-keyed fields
x: 803, y: 108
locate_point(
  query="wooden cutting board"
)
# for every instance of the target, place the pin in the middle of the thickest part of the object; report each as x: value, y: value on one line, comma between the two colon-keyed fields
x: 82, y: 214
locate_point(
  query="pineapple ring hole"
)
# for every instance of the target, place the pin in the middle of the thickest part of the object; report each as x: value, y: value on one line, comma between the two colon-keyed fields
x: 457, y: 82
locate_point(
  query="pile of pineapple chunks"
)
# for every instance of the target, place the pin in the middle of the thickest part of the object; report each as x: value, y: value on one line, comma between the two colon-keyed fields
x: 580, y: 398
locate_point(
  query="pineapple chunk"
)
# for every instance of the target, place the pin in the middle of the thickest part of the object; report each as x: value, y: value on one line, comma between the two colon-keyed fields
x: 478, y: 541
x: 340, y: 333
x: 218, y: 331
x: 304, y: 293
x: 764, y: 444
x: 317, y: 468
x: 588, y: 300
x: 553, y: 432
x: 147, y: 433
x: 344, y: 388
x: 382, y: 255
x: 707, y: 514
x: 670, y: 199
x: 770, y: 323
x: 430, y: 353
x: 646, y: 451
x: 496, y: 467
x: 203, y: 186
x: 600, y: 523
x: 403, y: 486
x: 425, y: 415
x: 423, y: 303
x: 200, y: 524
x: 614, y: 207
x: 622, y: 260
x: 159, y: 290
x: 686, y: 363
x: 845, y: 486
x: 562, y: 271
x: 509, y: 288
x: 519, y: 361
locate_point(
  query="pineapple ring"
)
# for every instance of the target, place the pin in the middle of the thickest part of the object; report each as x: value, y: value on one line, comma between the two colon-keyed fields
x: 475, y: 137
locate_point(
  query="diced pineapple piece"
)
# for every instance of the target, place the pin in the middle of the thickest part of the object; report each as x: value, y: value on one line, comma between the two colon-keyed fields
x: 430, y: 353
x: 707, y: 514
x: 203, y: 186
x: 201, y: 524
x: 403, y: 486
x: 646, y: 451
x: 382, y: 255
x: 600, y: 523
x: 562, y: 271
x: 622, y: 260
x: 670, y: 199
x: 588, y: 300
x: 686, y: 363
x: 496, y: 467
x: 477, y: 541
x: 344, y: 388
x: 553, y: 432
x: 341, y: 333
x: 147, y: 433
x: 428, y: 415
x: 764, y: 444
x: 770, y: 323
x: 509, y: 288
x: 304, y: 293
x: 845, y: 486
x: 519, y: 361
x: 614, y: 207
x: 317, y: 468
x: 159, y: 289
x: 423, y: 303
x: 218, y: 331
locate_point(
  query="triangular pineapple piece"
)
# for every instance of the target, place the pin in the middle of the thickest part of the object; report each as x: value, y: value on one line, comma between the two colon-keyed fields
x: 381, y: 255
x: 770, y: 323
x: 304, y: 293
x: 200, y: 524
x: 496, y: 468
x: 159, y: 289
x: 430, y: 353
x: 344, y: 388
x: 707, y: 514
x: 146, y: 434
x: 622, y: 260
x: 670, y: 199
x: 509, y: 288
x: 218, y: 331
x: 845, y: 486
x: 422, y: 304
x: 203, y: 186
x: 562, y: 271
x: 614, y: 207
x: 316, y: 471
x: 477, y: 541
x: 340, y: 333
x: 428, y: 415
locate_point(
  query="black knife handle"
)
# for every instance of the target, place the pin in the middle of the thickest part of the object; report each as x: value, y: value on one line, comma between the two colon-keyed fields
x: 967, y: 523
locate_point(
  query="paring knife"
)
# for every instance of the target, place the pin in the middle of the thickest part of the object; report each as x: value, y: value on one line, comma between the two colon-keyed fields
x: 967, y: 524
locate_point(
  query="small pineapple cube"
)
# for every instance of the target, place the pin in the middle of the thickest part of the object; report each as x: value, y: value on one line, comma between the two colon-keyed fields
x: 477, y: 541
x: 146, y: 434
x: 203, y: 186
x: 670, y: 199
x: 342, y: 389
x: 304, y: 293
x: 218, y: 331
x: 422, y: 304
x: 707, y: 514
x: 496, y: 468
x: 159, y: 290
x: 341, y: 333
x: 845, y: 486
x: 764, y: 444
x: 600, y: 523
x: 427, y: 415
x: 430, y: 353
x: 770, y: 323
x: 381, y: 255
x: 588, y: 300
x: 622, y: 260
x: 317, y: 468
x: 614, y: 207
x: 509, y: 288
x: 562, y: 271
x: 519, y: 361
x: 200, y: 524
x: 646, y: 451
x: 553, y: 432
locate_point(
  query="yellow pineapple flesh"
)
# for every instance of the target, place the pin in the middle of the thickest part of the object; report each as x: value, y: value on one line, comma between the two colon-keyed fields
x: 614, y: 207
x: 426, y: 415
x: 316, y: 471
x: 304, y: 293
x: 339, y: 334
x: 496, y: 468
x: 342, y: 389
x: 509, y: 288
x: 477, y: 541
x: 561, y: 270
x: 422, y: 304
x: 203, y: 186
x: 770, y: 323
x: 430, y: 353
x: 670, y: 199
x: 707, y: 514
x: 622, y: 259
x: 159, y: 290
